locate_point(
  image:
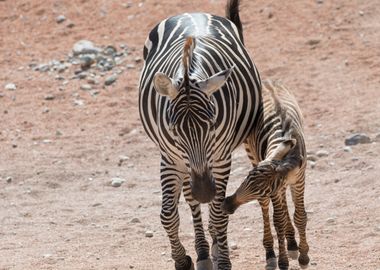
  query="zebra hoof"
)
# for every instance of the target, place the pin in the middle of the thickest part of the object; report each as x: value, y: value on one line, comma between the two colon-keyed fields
x: 188, y: 264
x: 271, y: 264
x: 205, y: 265
x: 293, y: 254
x: 303, y: 261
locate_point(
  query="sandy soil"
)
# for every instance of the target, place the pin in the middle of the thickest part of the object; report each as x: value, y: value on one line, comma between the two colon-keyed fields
x: 57, y: 207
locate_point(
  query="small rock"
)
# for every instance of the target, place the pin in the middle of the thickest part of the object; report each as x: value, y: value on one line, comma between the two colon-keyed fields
x: 117, y: 182
x: 149, y: 234
x: 49, y: 97
x: 347, y: 149
x: 355, y: 159
x: 138, y: 59
x: 86, y: 62
x: 311, y: 163
x: 131, y: 66
x: 60, y: 19
x: 331, y: 220
x: 313, y: 42
x: 93, y: 81
x: 135, y: 220
x: 110, y: 80
x: 319, y: 1
x: 8, y: 179
x: 361, y: 12
x: 322, y: 153
x: 86, y: 87
x: 70, y: 25
x: 10, y: 87
x: 233, y: 246
x: 78, y: 102
x: 312, y: 157
x: 358, y: 138
x: 85, y: 47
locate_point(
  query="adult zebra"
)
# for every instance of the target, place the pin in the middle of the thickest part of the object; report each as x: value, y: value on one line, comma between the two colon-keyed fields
x: 199, y: 97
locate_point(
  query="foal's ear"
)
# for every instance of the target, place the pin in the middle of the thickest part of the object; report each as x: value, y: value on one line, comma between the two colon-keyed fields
x: 164, y: 85
x: 215, y: 82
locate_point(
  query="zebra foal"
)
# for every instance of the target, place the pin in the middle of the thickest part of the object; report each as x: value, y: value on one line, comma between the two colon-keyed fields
x: 277, y: 151
x: 199, y: 97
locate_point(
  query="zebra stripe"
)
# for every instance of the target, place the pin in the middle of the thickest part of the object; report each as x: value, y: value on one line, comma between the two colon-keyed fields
x: 198, y: 100
x: 277, y: 151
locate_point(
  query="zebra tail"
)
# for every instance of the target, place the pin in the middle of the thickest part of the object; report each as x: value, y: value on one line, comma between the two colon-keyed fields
x: 232, y: 13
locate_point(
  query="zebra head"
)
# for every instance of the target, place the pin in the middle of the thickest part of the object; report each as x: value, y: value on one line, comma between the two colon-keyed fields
x: 264, y: 180
x: 192, y: 121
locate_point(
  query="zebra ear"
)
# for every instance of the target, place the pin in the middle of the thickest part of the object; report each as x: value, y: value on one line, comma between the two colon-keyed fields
x: 282, y: 149
x: 164, y: 85
x: 215, y: 82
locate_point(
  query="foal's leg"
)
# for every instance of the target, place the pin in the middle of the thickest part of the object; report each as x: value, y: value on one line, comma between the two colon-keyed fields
x: 279, y: 220
x: 300, y: 218
x: 289, y: 230
x: 270, y: 255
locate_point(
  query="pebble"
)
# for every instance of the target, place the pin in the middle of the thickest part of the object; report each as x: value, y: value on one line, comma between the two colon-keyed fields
x: 8, y: 179
x: 233, y: 246
x: 78, y: 102
x: 347, y: 149
x: 60, y: 19
x: 138, y: 59
x: 135, y: 220
x: 149, y: 234
x: 358, y: 138
x: 117, y: 182
x: 10, y: 86
x: 313, y: 42
x: 312, y: 164
x: 331, y: 220
x: 86, y: 87
x: 322, y: 153
x: 312, y: 157
x: 49, y: 97
x: 85, y: 47
x: 110, y: 80
x: 93, y: 81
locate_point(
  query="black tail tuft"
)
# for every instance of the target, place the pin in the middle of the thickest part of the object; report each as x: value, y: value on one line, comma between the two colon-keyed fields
x: 232, y: 13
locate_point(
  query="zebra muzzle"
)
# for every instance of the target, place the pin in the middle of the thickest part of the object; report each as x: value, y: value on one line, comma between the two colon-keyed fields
x: 229, y: 205
x: 203, y: 187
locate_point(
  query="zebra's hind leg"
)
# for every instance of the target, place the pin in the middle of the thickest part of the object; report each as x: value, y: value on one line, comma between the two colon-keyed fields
x: 170, y: 184
x: 201, y: 245
x: 289, y: 231
x: 270, y: 255
x: 279, y: 220
x: 300, y: 220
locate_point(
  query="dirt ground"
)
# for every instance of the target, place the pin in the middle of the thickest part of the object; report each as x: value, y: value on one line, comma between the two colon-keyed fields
x: 58, y: 209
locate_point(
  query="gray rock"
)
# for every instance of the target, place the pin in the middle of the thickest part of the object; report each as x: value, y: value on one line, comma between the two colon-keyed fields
x: 149, y: 234
x: 311, y: 164
x: 60, y: 19
x: 86, y: 87
x: 322, y: 153
x: 331, y: 220
x: 233, y: 246
x: 312, y: 157
x: 347, y: 149
x: 117, y: 182
x: 10, y: 87
x: 85, y: 47
x: 49, y: 97
x: 110, y: 80
x: 358, y: 138
x: 135, y: 220
x: 43, y: 68
x: 8, y: 179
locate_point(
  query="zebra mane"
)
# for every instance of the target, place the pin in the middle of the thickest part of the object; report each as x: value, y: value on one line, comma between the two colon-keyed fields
x: 187, y: 59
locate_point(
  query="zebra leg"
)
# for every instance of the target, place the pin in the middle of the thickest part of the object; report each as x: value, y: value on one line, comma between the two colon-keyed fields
x: 279, y: 220
x: 300, y: 220
x: 270, y: 255
x: 218, y: 219
x: 289, y: 230
x: 170, y: 184
x: 201, y: 245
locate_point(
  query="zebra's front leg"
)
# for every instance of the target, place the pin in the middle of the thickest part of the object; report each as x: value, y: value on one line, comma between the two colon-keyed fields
x: 279, y: 220
x: 219, y: 220
x: 201, y: 245
x: 270, y: 255
x: 171, y: 190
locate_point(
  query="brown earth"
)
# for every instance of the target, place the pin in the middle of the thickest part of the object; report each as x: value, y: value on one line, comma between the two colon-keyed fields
x: 59, y: 211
